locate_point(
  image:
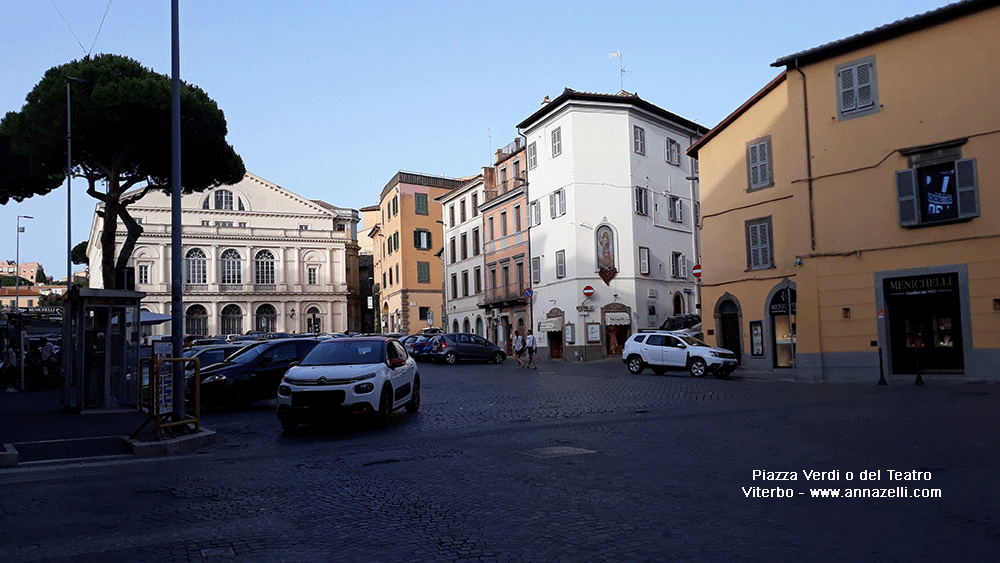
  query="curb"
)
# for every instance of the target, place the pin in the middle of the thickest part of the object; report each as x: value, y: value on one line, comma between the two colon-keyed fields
x: 8, y: 455
x: 171, y: 446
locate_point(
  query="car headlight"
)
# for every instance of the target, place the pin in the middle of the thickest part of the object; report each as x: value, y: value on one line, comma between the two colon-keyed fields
x: 367, y: 376
x: 214, y: 379
x: 363, y: 388
x: 284, y: 391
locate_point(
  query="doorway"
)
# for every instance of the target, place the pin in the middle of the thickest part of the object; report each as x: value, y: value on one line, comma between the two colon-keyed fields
x: 555, y: 342
x: 729, y: 329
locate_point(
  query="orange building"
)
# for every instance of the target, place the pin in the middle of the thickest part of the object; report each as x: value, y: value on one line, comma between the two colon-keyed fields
x: 851, y: 206
x: 407, y: 252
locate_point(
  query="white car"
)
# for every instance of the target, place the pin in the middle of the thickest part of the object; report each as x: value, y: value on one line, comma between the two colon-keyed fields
x: 363, y: 375
x: 663, y: 350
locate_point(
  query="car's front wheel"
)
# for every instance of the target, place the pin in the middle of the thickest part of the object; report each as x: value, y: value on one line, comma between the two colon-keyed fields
x: 450, y: 358
x: 635, y: 365
x: 384, y: 407
x: 698, y: 367
x: 414, y: 404
x: 498, y: 358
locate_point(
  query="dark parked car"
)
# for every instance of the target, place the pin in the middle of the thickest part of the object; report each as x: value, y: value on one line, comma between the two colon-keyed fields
x: 253, y: 373
x: 462, y: 346
x: 209, y: 355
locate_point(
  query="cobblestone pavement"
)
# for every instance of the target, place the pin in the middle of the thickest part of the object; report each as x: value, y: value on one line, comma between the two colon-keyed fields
x: 572, y: 462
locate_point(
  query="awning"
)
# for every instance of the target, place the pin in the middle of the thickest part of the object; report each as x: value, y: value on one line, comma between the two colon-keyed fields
x: 617, y: 318
x: 145, y: 318
x: 551, y: 325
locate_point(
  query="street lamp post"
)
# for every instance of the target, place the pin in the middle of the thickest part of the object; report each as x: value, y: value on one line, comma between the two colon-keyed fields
x: 69, y: 179
x: 17, y: 295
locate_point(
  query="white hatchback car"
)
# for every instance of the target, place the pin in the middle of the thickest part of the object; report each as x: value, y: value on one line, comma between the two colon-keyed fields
x: 663, y: 350
x: 363, y: 375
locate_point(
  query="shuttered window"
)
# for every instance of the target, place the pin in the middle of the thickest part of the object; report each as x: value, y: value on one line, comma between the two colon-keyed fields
x: 760, y: 253
x: 857, y: 88
x: 759, y: 171
x: 937, y: 194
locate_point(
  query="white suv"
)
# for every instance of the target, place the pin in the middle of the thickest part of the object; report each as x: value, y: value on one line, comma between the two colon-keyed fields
x: 663, y: 350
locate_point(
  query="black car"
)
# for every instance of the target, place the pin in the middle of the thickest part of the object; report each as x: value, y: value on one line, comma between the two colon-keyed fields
x: 462, y: 346
x: 253, y: 373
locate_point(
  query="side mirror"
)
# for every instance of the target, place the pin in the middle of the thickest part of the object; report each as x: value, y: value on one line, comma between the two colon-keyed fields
x: 397, y: 363
x: 293, y: 363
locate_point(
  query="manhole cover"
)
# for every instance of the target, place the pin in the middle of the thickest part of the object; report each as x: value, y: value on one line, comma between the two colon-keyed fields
x: 556, y: 451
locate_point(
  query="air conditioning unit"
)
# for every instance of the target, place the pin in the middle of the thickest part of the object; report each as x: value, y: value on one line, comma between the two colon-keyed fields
x: 652, y: 294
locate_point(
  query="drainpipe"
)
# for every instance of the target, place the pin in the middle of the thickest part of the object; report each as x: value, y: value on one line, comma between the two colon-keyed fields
x: 527, y: 224
x: 809, y: 174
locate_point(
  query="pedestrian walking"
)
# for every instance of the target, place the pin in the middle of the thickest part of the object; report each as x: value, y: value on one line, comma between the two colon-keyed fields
x: 10, y: 367
x: 518, y: 348
x: 531, y: 345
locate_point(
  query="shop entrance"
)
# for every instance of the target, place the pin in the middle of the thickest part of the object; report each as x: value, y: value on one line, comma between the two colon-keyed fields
x: 782, y: 308
x: 924, y: 315
x: 555, y: 342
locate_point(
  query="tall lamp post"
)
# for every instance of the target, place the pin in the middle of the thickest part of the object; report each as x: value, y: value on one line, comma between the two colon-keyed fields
x: 17, y: 296
x: 69, y: 179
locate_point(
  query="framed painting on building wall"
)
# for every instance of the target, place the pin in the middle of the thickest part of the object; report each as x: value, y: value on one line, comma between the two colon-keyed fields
x: 593, y: 332
x: 570, y: 335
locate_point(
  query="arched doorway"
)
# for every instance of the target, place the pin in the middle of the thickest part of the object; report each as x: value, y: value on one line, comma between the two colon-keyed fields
x: 678, y: 304
x: 782, y: 310
x: 231, y: 320
x: 196, y: 320
x: 314, y: 324
x: 465, y: 326
x: 266, y: 318
x: 728, y: 315
x: 479, y: 326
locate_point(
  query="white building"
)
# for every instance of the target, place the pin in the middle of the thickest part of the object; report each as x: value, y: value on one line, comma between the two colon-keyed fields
x: 463, y: 257
x: 256, y: 257
x: 612, y: 208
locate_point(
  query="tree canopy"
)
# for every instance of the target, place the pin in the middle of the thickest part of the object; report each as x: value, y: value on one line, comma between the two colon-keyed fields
x: 121, y: 128
x: 79, y: 254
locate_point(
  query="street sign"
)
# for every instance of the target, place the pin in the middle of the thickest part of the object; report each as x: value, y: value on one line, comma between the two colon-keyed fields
x: 528, y: 293
x: 588, y: 291
x: 696, y: 271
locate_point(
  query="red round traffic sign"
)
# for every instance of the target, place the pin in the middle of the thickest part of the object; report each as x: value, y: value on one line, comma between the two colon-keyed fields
x: 696, y: 271
x: 588, y: 291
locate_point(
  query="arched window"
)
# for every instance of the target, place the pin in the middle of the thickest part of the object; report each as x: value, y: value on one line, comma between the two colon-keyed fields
x: 232, y: 268
x: 266, y: 318
x: 196, y: 320
x: 465, y: 325
x: 196, y: 266
x: 479, y: 326
x: 224, y: 200
x: 232, y: 320
x: 454, y: 325
x: 314, y: 323
x: 678, y: 304
x: 264, y: 271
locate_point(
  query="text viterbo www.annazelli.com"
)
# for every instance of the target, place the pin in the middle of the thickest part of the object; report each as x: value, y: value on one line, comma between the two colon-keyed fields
x: 868, y: 477
x: 891, y: 492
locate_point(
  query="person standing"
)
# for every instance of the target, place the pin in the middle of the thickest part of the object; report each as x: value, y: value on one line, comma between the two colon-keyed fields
x: 518, y: 348
x: 10, y: 367
x: 531, y: 345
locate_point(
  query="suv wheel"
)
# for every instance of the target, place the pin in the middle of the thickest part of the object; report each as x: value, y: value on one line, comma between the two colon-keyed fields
x: 450, y: 358
x: 414, y: 403
x: 698, y: 367
x: 635, y: 365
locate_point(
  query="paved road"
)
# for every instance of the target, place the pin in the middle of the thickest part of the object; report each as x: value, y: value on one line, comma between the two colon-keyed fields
x: 573, y: 462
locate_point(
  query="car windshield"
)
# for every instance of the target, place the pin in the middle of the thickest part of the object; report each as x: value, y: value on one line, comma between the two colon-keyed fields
x: 350, y: 352
x: 690, y: 340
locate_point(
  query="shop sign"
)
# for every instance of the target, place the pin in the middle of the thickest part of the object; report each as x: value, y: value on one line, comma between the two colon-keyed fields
x: 921, y: 285
x: 779, y: 303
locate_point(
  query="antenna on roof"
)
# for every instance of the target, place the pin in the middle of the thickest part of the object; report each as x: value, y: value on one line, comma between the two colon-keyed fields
x: 621, y: 73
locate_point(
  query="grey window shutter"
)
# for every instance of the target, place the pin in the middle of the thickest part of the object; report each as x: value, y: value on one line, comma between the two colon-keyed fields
x: 967, y: 186
x: 562, y: 202
x: 845, y: 87
x: 766, y: 259
x: 863, y: 76
x: 754, y: 247
x: 552, y: 205
x: 762, y: 158
x: 906, y: 188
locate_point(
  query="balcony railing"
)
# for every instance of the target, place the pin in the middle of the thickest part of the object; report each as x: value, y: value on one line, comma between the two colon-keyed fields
x: 264, y: 287
x: 193, y: 287
x: 509, y: 292
x: 230, y: 287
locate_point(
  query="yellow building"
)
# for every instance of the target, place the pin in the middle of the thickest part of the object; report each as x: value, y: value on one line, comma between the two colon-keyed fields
x: 851, y: 206
x: 407, y: 252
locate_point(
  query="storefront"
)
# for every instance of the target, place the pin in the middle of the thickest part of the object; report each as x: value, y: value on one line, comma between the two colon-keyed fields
x: 924, y: 323
x: 782, y: 311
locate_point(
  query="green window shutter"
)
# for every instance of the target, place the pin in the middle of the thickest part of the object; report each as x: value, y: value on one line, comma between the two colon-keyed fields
x: 416, y: 239
x: 906, y: 189
x: 967, y: 187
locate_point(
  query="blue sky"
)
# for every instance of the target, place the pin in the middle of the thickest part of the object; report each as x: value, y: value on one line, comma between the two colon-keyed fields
x: 330, y: 99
